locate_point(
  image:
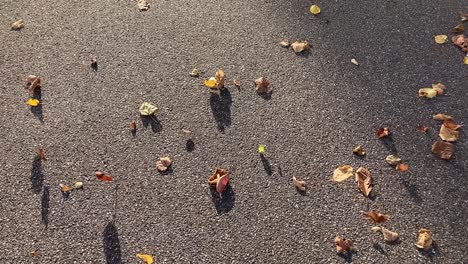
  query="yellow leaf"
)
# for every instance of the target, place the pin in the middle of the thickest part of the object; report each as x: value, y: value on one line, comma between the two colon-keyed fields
x: 427, y: 92
x: 211, y: 83
x: 342, y: 173
x: 147, y: 258
x: 465, y: 60
x: 33, y: 102
x: 261, y: 149
x: 315, y: 9
x: 440, y: 39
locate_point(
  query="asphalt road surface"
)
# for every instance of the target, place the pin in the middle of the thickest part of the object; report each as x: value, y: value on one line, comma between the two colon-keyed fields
x: 322, y: 106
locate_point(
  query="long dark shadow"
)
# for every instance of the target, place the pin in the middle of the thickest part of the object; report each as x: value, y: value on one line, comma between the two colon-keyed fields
x: 111, y: 244
x: 37, y: 177
x: 45, y: 206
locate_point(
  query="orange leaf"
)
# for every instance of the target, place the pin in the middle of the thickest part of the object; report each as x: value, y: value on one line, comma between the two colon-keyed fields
x: 376, y: 217
x: 343, y: 244
x: 401, y: 167
x: 133, y: 125
x: 449, y: 123
x: 424, y: 239
x: 41, y: 153
x: 65, y: 188
x: 103, y: 177
x: 383, y: 132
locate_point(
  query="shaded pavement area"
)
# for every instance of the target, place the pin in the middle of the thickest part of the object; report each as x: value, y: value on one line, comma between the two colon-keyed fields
x: 322, y: 106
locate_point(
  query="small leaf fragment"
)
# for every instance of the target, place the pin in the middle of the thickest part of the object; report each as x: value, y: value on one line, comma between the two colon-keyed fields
x: 393, y: 160
x: 261, y: 149
x: 458, y: 29
x: 343, y: 244
x: 461, y: 42
x: 195, y: 72
x: 284, y: 43
x: 402, y: 167
x: 65, y: 188
x: 17, y: 25
x: 364, y: 180
x: 315, y: 9
x: 300, y: 185
x: 219, y: 77
x: 423, y: 128
x: 427, y: 92
x: 424, y: 239
x: 376, y: 217
x: 440, y: 39
x: 450, y: 124
x: 388, y: 235
x: 447, y: 134
x: 33, y: 83
x: 237, y: 83
x: 33, y: 102
x: 464, y: 17
x: 143, y: 5
x: 342, y: 173
x: 262, y: 85
x: 210, y: 83
x: 146, y: 258
x: 465, y: 60
x: 443, y: 150
x: 34, y: 253
x: 147, y: 109
x: 41, y: 154
x: 439, y: 88
x: 359, y: 151
x: 78, y: 185
x: 103, y: 177
x: 163, y: 164
x: 383, y: 132
x: 220, y: 178
x: 441, y: 117
x: 300, y: 46
x: 354, y: 61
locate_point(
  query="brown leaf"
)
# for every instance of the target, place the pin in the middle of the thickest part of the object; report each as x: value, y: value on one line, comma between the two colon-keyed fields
x: 376, y: 217
x: 34, y: 253
x: 342, y: 173
x: 401, y: 167
x: 359, y: 151
x: 17, y: 25
x: 441, y: 117
x: 383, y: 132
x: 220, y: 178
x: 237, y: 83
x: 461, y: 42
x: 300, y: 46
x: 219, y: 76
x: 464, y: 17
x: 163, y: 164
x: 343, y: 244
x: 33, y: 83
x: 443, y: 150
x: 388, y: 235
x: 301, y: 185
x: 439, y: 88
x: 424, y: 239
x: 103, y: 177
x: 284, y: 43
x: 450, y: 124
x: 132, y: 125
x: 458, y: 28
x: 41, y: 153
x: 447, y: 134
x: 65, y: 188
x: 364, y: 180
x: 423, y: 128
x: 262, y: 85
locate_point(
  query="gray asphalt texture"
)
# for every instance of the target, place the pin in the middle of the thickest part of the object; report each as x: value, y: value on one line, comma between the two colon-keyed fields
x: 322, y: 106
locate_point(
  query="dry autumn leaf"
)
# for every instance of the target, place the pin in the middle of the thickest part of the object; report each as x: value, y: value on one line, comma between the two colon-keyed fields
x: 284, y: 43
x: 132, y: 125
x: 33, y: 102
x: 423, y: 128
x: 147, y: 109
x: 447, y: 134
x: 262, y: 85
x: 342, y: 173
x: 465, y: 60
x: 427, y: 92
x: 450, y: 124
x: 443, y: 150
x: 402, y: 167
x: 65, y: 188
x: 103, y: 177
x: 146, y: 258
x: 300, y: 185
x: 355, y: 62
x: 363, y: 179
x: 300, y: 46
x: 393, y: 160
x: 376, y: 217
x: 424, y: 239
x: 17, y: 25
x: 359, y: 151
x: 143, y: 5
x: 163, y: 164
x: 439, y: 88
x: 458, y: 29
x: 441, y: 117
x: 215, y: 83
x: 34, y: 253
x: 440, y: 39
x: 195, y: 72
x: 33, y: 83
x: 219, y: 76
x: 343, y: 244
x: 315, y: 9
x: 383, y: 132
x: 461, y: 42
x: 220, y: 178
x: 237, y: 83
x: 388, y: 235
x: 78, y: 185
x: 41, y: 153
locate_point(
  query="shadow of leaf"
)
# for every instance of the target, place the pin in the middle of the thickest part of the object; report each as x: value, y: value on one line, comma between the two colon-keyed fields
x: 45, y: 206
x: 152, y: 121
x: 111, y: 244
x: 266, y: 165
x: 37, y: 177
x: 224, y: 203
x: 221, y: 108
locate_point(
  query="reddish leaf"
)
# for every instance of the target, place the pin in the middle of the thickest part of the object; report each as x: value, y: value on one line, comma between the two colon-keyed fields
x: 450, y: 124
x: 132, y: 125
x: 220, y: 178
x: 423, y: 128
x: 41, y: 153
x: 402, y: 167
x: 222, y: 183
x: 103, y: 177
x: 383, y: 132
x: 376, y: 217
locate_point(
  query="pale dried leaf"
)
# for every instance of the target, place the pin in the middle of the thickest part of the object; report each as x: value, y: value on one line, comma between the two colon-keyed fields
x: 17, y: 25
x: 427, y: 92
x: 388, y: 235
x: 443, y: 150
x: 359, y: 151
x: 342, y: 173
x: 376, y: 217
x: 464, y: 17
x: 284, y: 43
x: 219, y: 77
x: 163, y: 164
x: 143, y: 5
x: 354, y: 61
x: 393, y: 160
x: 262, y: 85
x: 301, y: 185
x: 441, y: 117
x: 78, y: 185
x: 448, y: 134
x: 300, y: 46
x: 424, y: 239
x: 195, y: 72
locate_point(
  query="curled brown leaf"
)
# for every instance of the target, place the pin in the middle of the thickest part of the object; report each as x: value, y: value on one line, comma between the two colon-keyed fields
x: 359, y: 151
x: 443, y: 150
x: 376, y: 217
x: 461, y: 42
x: 364, y: 180
x: 33, y: 83
x: 343, y: 244
x: 439, y: 88
x: 388, y: 235
x: 450, y: 124
x: 262, y: 85
x: 458, y: 29
x: 220, y: 178
x: 441, y: 117
x: 103, y: 176
x: 41, y: 154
